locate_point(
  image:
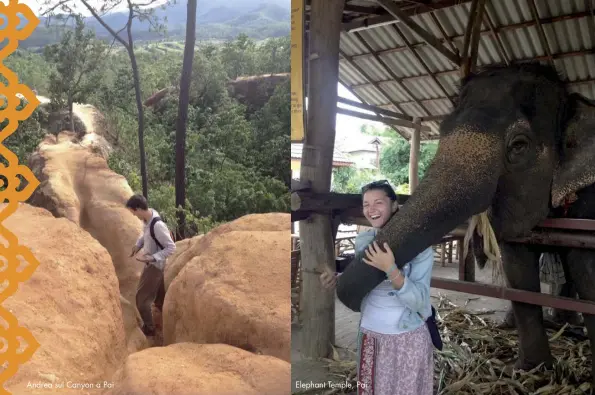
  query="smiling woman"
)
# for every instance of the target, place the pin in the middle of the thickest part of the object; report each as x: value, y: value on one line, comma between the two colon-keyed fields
x: 379, y: 202
x: 394, y: 344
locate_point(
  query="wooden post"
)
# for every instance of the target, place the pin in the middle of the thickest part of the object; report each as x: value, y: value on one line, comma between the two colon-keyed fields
x: 459, y: 247
x: 414, y: 156
x: 469, y: 268
x: 472, y: 37
x: 316, y: 234
x: 335, y: 223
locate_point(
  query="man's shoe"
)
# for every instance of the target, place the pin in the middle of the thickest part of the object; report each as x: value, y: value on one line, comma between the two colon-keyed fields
x: 147, y: 331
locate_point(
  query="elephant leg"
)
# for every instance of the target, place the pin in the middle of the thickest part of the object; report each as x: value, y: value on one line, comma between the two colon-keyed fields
x: 508, y: 322
x: 521, y: 265
x: 581, y: 264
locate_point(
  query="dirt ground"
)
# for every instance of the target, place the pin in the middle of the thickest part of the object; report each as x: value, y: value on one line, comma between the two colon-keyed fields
x: 307, y: 372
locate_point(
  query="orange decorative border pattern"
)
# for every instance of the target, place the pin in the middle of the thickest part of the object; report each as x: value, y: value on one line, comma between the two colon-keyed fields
x: 17, y: 344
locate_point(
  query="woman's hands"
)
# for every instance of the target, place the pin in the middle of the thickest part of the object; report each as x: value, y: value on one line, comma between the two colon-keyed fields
x: 379, y: 259
x: 328, y: 280
x: 384, y: 261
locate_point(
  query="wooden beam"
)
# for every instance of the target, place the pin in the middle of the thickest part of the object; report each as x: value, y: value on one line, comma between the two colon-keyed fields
x: 317, y: 313
x: 475, y: 21
x: 330, y: 201
x: 354, y: 93
x: 397, y: 13
x: 475, y: 35
x: 517, y: 295
x: 434, y: 118
x: 540, y: 31
x: 568, y: 223
x: 468, y: 30
x: 374, y: 109
x: 364, y: 10
x: 416, y: 8
x: 414, y: 157
x: 297, y: 216
x: 299, y: 185
x: 497, y: 29
x: 590, y: 19
x: 322, y: 202
x: 558, y: 238
x: 385, y: 120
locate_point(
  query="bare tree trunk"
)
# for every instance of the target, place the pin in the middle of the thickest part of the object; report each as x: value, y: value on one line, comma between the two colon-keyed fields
x: 139, y: 103
x: 71, y: 114
x: 185, y: 80
x: 141, y: 121
x: 140, y: 109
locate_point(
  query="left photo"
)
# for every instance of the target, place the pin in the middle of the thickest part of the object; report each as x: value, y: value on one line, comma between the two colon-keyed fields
x: 146, y: 246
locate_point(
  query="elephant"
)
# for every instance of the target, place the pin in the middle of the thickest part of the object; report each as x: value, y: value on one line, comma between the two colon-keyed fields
x: 518, y: 146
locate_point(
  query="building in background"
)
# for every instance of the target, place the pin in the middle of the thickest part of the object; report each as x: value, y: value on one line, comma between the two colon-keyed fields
x: 365, y: 153
x: 339, y: 160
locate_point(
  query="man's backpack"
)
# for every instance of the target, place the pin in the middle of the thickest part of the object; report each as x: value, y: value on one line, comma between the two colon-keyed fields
x: 152, y: 229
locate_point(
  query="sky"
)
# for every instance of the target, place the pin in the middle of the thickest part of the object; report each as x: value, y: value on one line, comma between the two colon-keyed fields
x: 350, y: 126
x: 35, y: 5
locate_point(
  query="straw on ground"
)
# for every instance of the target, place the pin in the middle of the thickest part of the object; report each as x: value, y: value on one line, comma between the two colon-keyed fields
x: 478, y: 357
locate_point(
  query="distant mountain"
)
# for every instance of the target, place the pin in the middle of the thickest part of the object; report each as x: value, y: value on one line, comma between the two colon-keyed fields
x: 218, y: 15
x: 257, y: 18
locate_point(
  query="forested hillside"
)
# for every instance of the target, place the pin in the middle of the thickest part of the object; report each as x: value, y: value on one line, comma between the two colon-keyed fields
x: 234, y: 158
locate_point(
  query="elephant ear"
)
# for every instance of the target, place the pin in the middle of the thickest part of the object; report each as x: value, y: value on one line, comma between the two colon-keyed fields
x: 576, y: 169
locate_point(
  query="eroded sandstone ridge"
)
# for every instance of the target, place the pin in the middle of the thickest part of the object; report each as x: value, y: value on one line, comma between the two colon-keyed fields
x: 71, y: 305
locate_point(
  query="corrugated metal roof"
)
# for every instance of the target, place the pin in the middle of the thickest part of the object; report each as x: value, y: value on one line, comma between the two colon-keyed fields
x: 566, y: 37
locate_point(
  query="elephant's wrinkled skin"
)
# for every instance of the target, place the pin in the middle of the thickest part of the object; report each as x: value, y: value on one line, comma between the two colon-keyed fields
x: 517, y: 143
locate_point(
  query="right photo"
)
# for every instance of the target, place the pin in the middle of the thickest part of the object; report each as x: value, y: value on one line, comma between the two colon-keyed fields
x: 442, y: 197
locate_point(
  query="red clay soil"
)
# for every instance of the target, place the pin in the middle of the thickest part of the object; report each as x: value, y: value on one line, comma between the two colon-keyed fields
x: 191, y: 248
x: 235, y: 290
x: 201, y: 369
x: 71, y: 305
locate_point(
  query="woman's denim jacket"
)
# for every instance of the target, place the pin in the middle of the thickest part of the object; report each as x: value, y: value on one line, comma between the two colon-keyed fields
x: 415, y: 293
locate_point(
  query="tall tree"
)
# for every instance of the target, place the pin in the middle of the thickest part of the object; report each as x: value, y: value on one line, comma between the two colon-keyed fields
x: 394, y: 159
x: 78, y: 58
x: 185, y: 81
x: 146, y: 13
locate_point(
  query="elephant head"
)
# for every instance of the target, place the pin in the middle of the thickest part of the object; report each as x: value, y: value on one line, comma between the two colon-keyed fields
x: 516, y: 144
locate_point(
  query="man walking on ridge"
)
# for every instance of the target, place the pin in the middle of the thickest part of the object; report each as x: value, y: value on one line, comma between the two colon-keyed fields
x: 157, y: 243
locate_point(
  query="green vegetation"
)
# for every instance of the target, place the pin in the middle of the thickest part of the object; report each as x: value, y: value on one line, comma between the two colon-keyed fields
x: 78, y: 60
x: 234, y: 159
x: 394, y: 159
x: 394, y: 164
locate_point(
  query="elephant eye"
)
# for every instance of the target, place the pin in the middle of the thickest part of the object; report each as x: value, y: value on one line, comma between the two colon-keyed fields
x: 519, y: 145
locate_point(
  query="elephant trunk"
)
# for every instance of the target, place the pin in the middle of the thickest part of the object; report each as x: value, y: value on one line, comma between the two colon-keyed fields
x: 460, y: 182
